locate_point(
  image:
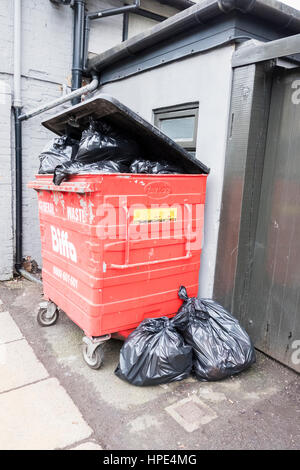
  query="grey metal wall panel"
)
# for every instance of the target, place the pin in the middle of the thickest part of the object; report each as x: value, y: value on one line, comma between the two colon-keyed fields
x: 273, y: 304
x: 243, y: 169
x: 234, y: 174
x: 256, y: 146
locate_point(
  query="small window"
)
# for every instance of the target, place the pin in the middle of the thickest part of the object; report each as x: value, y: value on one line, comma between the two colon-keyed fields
x: 180, y: 123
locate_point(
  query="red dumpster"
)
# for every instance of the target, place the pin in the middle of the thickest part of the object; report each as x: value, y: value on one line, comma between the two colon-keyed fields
x: 116, y: 248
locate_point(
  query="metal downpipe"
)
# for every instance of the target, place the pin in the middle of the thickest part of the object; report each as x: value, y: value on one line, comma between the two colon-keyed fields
x: 18, y: 182
x: 17, y: 106
x: 78, y: 46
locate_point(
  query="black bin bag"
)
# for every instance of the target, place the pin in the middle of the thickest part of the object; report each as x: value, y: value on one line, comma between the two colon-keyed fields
x: 153, y: 167
x: 155, y: 353
x: 63, y: 171
x: 221, y: 347
x: 58, y: 151
x: 101, y: 141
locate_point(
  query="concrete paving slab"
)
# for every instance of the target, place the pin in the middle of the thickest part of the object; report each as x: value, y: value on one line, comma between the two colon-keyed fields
x: 19, y: 366
x: 40, y: 416
x: 87, y: 446
x: 9, y: 331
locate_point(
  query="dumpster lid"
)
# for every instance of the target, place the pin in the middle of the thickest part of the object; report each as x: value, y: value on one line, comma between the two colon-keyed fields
x: 155, y: 143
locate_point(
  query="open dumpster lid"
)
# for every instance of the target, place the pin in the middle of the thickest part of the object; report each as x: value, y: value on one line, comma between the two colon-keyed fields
x: 154, y: 143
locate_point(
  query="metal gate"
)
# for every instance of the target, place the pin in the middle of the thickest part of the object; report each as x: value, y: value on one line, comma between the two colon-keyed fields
x: 273, y: 305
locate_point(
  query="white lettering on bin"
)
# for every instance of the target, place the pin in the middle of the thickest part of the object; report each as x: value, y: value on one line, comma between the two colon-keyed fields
x: 46, y: 207
x: 75, y: 214
x: 61, y: 244
x: 66, y: 277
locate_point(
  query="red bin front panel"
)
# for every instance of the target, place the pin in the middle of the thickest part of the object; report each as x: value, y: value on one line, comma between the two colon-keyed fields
x: 117, y: 247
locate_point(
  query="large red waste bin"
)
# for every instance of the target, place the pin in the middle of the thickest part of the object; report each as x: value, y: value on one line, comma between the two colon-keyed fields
x: 116, y: 248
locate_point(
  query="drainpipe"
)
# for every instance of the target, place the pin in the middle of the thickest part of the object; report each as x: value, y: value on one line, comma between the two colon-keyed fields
x: 18, y: 184
x: 78, y: 46
x: 17, y: 106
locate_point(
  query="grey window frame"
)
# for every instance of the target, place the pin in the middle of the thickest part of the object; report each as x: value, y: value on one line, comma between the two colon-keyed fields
x: 177, y: 111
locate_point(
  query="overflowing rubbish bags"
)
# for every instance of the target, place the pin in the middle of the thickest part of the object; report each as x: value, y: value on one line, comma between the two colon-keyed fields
x: 101, y: 141
x: 58, y: 151
x: 63, y: 171
x: 103, y: 148
x: 153, y: 167
x: 203, y: 338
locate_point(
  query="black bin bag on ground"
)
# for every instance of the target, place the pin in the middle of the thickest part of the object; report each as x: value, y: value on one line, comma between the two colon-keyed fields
x: 221, y: 347
x: 58, y: 151
x: 154, y: 353
x: 101, y: 141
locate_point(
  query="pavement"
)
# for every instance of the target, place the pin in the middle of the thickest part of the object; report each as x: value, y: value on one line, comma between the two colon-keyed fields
x: 50, y: 399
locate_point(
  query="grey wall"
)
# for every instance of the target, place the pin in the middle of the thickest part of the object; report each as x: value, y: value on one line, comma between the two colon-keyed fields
x: 205, y: 78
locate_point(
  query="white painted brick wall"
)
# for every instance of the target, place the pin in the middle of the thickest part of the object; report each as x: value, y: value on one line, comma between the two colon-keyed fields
x: 6, y: 232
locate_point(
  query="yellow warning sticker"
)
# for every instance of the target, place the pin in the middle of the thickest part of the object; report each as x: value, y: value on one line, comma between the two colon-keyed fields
x: 157, y: 214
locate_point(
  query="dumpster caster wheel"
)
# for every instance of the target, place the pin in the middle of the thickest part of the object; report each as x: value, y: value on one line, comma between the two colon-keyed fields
x: 47, y: 316
x: 94, y: 358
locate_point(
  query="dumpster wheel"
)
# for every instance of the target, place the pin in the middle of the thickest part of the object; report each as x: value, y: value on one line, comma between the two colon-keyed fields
x: 44, y: 319
x: 94, y: 359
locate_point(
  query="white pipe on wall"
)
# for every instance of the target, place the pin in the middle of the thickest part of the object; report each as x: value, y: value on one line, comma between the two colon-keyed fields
x: 63, y: 99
